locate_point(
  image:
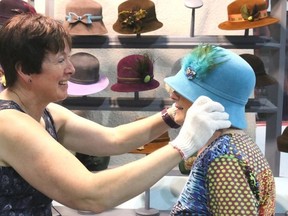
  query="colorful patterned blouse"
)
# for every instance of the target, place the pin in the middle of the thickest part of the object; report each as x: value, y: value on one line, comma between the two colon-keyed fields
x: 230, y: 177
x: 18, y: 197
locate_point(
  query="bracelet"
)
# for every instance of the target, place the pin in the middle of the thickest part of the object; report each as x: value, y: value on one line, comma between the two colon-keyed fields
x: 168, y: 120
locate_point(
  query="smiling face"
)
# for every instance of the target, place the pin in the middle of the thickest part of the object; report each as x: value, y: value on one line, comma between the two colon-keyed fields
x: 182, y: 105
x: 56, y: 70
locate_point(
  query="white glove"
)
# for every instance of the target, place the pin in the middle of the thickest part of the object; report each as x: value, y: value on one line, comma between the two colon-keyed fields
x: 202, y: 119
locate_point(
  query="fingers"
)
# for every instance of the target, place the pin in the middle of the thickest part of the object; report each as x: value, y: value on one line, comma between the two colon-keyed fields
x: 208, y: 105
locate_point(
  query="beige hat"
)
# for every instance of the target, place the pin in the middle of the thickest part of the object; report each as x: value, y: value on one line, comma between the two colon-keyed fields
x: 84, y: 18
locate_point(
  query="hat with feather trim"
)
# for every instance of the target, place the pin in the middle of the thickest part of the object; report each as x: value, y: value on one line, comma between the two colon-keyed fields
x: 246, y: 14
x: 219, y: 74
x: 134, y: 74
x: 135, y: 17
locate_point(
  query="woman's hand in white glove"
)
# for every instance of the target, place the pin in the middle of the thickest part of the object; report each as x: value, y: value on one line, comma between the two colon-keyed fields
x: 202, y: 119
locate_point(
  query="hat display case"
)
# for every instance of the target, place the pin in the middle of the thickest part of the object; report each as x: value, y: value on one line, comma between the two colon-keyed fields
x: 276, y: 43
x: 140, y: 36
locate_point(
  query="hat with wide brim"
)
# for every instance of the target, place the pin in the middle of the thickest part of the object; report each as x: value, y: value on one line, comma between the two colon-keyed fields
x: 219, y: 74
x: 135, y: 17
x: 262, y: 78
x: 10, y: 8
x: 247, y: 14
x: 135, y: 73
x: 84, y: 18
x: 86, y: 80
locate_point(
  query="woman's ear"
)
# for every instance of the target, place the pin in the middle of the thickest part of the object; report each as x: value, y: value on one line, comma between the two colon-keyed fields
x: 22, y: 75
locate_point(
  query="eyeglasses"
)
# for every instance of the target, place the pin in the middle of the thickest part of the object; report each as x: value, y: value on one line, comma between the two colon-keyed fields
x: 175, y: 95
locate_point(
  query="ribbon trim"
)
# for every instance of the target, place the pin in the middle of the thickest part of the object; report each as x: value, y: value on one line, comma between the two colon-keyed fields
x: 239, y: 18
x: 86, y: 18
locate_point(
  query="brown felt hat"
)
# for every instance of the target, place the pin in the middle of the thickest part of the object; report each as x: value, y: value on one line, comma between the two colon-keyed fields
x: 84, y: 18
x: 262, y: 78
x: 246, y: 14
x: 136, y: 16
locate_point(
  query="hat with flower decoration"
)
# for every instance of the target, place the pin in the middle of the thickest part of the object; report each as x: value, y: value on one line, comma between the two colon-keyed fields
x: 10, y: 8
x: 246, y: 14
x: 219, y: 74
x: 134, y: 74
x: 84, y: 18
x: 135, y: 17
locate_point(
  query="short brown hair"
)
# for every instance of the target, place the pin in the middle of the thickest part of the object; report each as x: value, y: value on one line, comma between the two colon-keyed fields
x: 25, y: 39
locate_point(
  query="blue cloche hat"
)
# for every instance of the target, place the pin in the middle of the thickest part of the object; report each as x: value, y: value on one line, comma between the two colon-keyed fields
x: 219, y: 74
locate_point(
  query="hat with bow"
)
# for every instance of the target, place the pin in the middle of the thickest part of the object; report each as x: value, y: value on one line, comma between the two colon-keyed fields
x: 246, y: 14
x: 84, y: 18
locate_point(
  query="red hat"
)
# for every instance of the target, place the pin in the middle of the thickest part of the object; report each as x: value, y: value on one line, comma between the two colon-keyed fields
x: 10, y: 8
x: 246, y: 14
x: 134, y: 74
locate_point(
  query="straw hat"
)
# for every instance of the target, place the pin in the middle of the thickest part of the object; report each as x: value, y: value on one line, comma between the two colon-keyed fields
x: 246, y: 14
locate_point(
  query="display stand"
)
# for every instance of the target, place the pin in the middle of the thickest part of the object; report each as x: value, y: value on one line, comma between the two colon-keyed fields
x: 147, y: 149
x: 147, y: 210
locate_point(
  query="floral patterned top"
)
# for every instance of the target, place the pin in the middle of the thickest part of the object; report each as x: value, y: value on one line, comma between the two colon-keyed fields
x: 230, y: 177
x: 18, y: 197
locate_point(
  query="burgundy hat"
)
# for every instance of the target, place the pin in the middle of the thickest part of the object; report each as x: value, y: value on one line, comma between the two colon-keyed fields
x: 262, y: 78
x: 10, y: 8
x: 86, y: 79
x: 134, y: 74
x: 135, y: 17
x: 246, y: 14
x: 84, y: 18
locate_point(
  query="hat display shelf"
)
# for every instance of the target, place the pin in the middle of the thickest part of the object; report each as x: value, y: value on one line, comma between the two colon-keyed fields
x: 193, y: 4
x: 271, y: 106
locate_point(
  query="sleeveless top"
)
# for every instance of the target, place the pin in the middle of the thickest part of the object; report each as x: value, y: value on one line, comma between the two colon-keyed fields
x: 230, y: 177
x: 17, y: 196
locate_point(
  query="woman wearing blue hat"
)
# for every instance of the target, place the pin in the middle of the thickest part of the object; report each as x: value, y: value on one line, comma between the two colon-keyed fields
x: 230, y: 175
x: 37, y: 134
